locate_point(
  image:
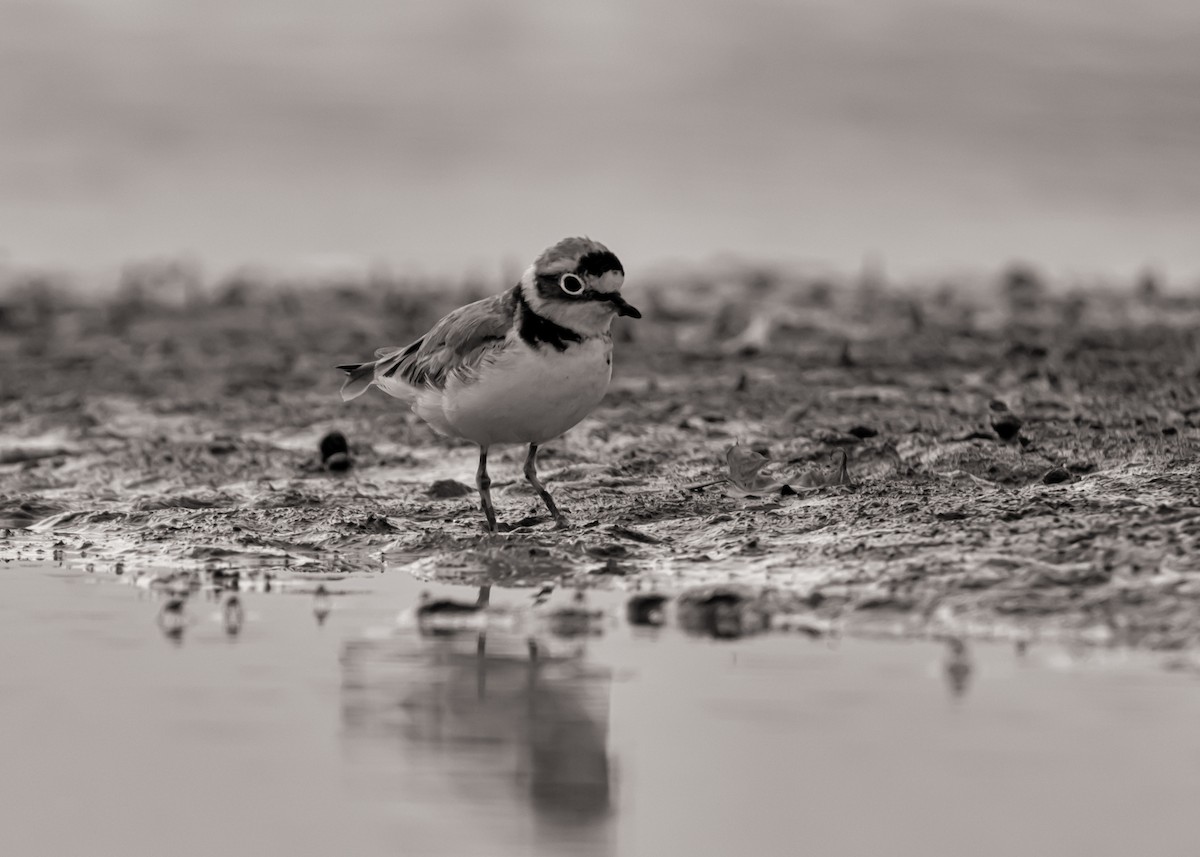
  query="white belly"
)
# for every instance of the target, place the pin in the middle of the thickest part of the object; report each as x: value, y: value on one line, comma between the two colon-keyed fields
x: 526, y: 395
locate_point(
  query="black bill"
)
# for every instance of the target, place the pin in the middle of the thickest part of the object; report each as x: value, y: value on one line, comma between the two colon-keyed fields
x: 623, y: 307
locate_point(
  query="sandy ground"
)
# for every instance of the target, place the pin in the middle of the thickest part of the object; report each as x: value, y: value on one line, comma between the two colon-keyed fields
x: 1023, y: 459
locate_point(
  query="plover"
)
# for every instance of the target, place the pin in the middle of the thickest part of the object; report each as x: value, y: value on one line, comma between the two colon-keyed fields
x: 523, y: 366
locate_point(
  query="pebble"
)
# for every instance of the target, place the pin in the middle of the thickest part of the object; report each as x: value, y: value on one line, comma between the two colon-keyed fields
x: 1005, y: 423
x: 335, y: 452
x: 222, y: 446
x: 1057, y: 474
x: 445, y: 489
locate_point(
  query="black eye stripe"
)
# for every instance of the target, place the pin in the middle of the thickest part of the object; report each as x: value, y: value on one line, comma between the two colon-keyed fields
x: 548, y: 288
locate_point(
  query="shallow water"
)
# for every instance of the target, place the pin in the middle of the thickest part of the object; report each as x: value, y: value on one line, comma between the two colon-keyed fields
x: 359, y: 735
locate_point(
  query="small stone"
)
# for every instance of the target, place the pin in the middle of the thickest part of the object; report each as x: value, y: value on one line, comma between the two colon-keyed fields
x: 1057, y: 474
x: 952, y: 515
x: 222, y: 446
x: 446, y: 489
x: 333, y: 444
x: 834, y: 437
x: 1005, y: 423
x: 862, y: 432
x: 335, y: 452
x: 611, y: 550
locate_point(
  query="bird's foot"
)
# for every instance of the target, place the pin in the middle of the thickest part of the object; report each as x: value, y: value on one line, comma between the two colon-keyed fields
x: 561, y: 522
x: 529, y: 521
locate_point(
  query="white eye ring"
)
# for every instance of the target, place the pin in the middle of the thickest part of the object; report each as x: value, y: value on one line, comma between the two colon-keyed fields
x: 571, y: 284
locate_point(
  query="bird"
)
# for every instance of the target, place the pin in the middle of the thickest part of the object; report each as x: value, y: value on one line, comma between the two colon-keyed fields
x: 520, y: 367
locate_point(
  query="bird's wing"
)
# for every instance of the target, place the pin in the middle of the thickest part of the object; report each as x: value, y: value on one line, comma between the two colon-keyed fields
x: 456, y: 344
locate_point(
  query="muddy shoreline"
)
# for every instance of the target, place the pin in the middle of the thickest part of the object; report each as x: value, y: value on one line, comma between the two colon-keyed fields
x: 1022, y: 456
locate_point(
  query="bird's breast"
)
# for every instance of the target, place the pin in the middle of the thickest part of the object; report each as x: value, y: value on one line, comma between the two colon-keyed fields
x: 530, y: 394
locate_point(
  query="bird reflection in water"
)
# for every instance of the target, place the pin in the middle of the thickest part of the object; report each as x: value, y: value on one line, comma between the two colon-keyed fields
x: 958, y: 667
x: 489, y: 710
x: 321, y: 604
x: 172, y: 619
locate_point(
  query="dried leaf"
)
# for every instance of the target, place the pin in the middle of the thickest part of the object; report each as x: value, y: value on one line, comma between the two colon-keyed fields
x: 745, y: 472
x: 818, y: 478
x: 962, y: 474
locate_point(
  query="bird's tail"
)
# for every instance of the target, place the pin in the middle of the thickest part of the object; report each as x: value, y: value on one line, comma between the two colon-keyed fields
x: 362, y: 376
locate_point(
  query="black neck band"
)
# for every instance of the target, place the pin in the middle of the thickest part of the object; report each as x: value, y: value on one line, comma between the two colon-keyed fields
x: 537, y: 330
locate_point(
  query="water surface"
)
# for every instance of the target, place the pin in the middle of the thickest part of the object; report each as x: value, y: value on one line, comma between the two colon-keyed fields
x: 360, y: 735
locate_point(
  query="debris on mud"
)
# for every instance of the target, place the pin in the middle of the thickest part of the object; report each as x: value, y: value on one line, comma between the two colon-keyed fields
x: 1005, y: 423
x: 335, y: 452
x: 1018, y: 454
x: 1056, y: 475
x: 746, y: 476
x: 839, y: 475
x: 446, y: 489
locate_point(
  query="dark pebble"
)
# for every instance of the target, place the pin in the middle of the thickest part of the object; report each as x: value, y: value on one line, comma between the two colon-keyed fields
x: 222, y: 446
x: 952, y: 515
x: 862, y: 432
x: 445, y: 489
x: 611, y: 550
x: 1006, y: 426
x: 833, y: 437
x: 333, y: 444
x: 1057, y: 474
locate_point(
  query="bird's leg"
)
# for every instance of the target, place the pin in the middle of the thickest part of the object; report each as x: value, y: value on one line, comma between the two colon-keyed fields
x: 484, y: 482
x: 531, y: 474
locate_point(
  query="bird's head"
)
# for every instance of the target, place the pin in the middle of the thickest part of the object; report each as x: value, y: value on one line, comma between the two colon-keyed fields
x: 577, y: 283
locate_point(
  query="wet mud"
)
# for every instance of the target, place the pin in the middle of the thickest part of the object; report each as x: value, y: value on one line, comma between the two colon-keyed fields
x: 1006, y: 457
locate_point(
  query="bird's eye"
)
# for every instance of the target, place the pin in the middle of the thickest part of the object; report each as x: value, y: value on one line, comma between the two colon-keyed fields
x: 571, y: 284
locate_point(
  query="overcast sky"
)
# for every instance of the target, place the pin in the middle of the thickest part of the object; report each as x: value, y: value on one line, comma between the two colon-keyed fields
x: 450, y: 136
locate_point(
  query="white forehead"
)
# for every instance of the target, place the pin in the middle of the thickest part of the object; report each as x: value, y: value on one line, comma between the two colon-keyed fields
x: 609, y: 281
x: 557, y: 265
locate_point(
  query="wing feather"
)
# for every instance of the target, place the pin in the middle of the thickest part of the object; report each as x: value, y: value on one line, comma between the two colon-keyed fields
x: 456, y: 345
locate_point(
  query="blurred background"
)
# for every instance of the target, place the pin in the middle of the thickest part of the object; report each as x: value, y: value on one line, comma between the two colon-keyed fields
x: 456, y: 137
x: 935, y: 263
